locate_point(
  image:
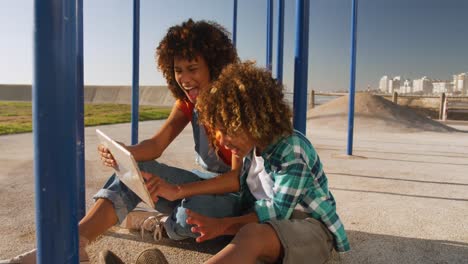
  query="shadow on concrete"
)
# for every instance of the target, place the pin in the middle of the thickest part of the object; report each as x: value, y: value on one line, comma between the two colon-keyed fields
x: 457, y: 155
x: 376, y: 248
x: 405, y: 160
x: 454, y: 154
x: 461, y: 130
x: 395, y: 179
x: 419, y: 161
x: 402, y: 194
x: 399, y: 142
x: 402, y: 122
x: 208, y: 247
x: 366, y: 248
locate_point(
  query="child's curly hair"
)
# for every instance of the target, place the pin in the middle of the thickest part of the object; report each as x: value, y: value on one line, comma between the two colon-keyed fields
x: 245, y: 98
x: 190, y: 39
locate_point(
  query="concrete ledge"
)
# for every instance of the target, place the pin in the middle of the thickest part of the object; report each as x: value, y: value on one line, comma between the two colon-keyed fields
x: 149, y: 95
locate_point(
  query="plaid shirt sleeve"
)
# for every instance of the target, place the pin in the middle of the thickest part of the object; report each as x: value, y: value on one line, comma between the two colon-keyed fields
x: 291, y: 178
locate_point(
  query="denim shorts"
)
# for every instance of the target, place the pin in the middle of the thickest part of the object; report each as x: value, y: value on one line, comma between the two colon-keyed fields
x: 124, y: 200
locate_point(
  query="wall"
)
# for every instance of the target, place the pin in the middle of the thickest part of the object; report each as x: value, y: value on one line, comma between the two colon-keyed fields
x: 149, y: 95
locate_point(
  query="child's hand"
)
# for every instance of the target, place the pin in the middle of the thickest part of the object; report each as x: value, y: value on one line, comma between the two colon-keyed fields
x: 208, y: 227
x: 159, y: 187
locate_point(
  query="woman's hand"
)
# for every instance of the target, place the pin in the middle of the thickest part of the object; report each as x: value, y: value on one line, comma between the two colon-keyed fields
x: 106, y: 157
x: 208, y: 227
x: 159, y: 187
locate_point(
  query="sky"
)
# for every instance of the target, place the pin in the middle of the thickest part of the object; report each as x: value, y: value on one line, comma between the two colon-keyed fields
x: 408, y: 38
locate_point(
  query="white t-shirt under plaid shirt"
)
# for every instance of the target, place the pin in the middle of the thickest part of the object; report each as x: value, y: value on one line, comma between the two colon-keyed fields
x: 298, y: 180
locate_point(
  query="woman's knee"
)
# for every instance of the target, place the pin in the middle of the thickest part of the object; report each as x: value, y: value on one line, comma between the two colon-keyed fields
x: 147, y: 165
x: 170, y: 174
x: 212, y: 205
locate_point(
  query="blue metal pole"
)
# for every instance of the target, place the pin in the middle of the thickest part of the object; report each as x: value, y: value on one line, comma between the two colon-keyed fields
x: 234, y: 24
x: 136, y: 69
x: 352, y: 80
x: 279, y: 52
x: 80, y: 152
x: 301, y: 65
x: 55, y: 141
x: 269, y: 38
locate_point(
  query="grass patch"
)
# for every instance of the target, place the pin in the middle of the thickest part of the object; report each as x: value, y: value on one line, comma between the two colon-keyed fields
x: 16, y: 117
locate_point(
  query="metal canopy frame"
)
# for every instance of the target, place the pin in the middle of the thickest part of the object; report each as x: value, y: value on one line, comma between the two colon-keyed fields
x: 58, y: 110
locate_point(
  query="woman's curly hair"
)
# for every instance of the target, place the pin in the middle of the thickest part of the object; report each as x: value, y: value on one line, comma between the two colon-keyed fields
x: 245, y: 98
x: 190, y: 39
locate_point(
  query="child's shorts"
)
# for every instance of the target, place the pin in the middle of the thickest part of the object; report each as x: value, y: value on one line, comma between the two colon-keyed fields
x: 303, y: 240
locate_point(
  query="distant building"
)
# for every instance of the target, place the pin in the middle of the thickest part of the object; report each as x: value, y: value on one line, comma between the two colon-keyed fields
x: 460, y: 84
x: 406, y: 88
x: 389, y: 85
x: 383, y: 84
x: 425, y: 86
x: 394, y: 84
x: 422, y: 86
x: 442, y: 87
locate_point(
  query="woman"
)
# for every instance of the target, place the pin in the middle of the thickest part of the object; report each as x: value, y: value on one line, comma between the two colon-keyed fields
x: 191, y: 56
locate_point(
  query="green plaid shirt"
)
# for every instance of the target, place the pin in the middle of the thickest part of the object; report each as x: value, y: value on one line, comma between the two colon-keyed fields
x: 299, y: 179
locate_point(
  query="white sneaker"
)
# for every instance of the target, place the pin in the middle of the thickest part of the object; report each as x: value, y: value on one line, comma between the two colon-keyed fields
x: 145, y: 219
x: 154, y: 224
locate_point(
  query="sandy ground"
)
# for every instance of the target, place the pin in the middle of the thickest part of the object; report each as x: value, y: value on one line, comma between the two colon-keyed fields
x: 403, y: 196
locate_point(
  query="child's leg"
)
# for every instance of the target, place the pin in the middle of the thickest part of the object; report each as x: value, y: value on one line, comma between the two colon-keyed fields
x: 253, y: 242
x: 291, y: 241
x: 303, y: 240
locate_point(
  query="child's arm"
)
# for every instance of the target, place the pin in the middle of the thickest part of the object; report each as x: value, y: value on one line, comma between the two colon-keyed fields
x: 210, y: 227
x: 224, y: 183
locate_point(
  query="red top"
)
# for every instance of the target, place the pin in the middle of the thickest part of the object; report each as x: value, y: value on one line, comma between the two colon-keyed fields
x: 187, y: 108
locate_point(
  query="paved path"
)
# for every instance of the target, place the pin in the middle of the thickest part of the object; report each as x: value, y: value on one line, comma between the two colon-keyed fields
x: 403, y: 197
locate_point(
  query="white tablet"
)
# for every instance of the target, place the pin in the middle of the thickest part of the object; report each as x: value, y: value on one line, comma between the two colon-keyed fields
x: 127, y: 169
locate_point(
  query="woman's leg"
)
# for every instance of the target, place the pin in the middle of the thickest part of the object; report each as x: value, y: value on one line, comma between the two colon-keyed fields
x: 100, y: 217
x: 113, y: 202
x: 210, y: 205
x: 253, y: 242
x: 172, y: 175
x: 218, y: 206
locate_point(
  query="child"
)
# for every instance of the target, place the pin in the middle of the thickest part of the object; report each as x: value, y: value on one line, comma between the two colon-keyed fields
x: 290, y: 215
